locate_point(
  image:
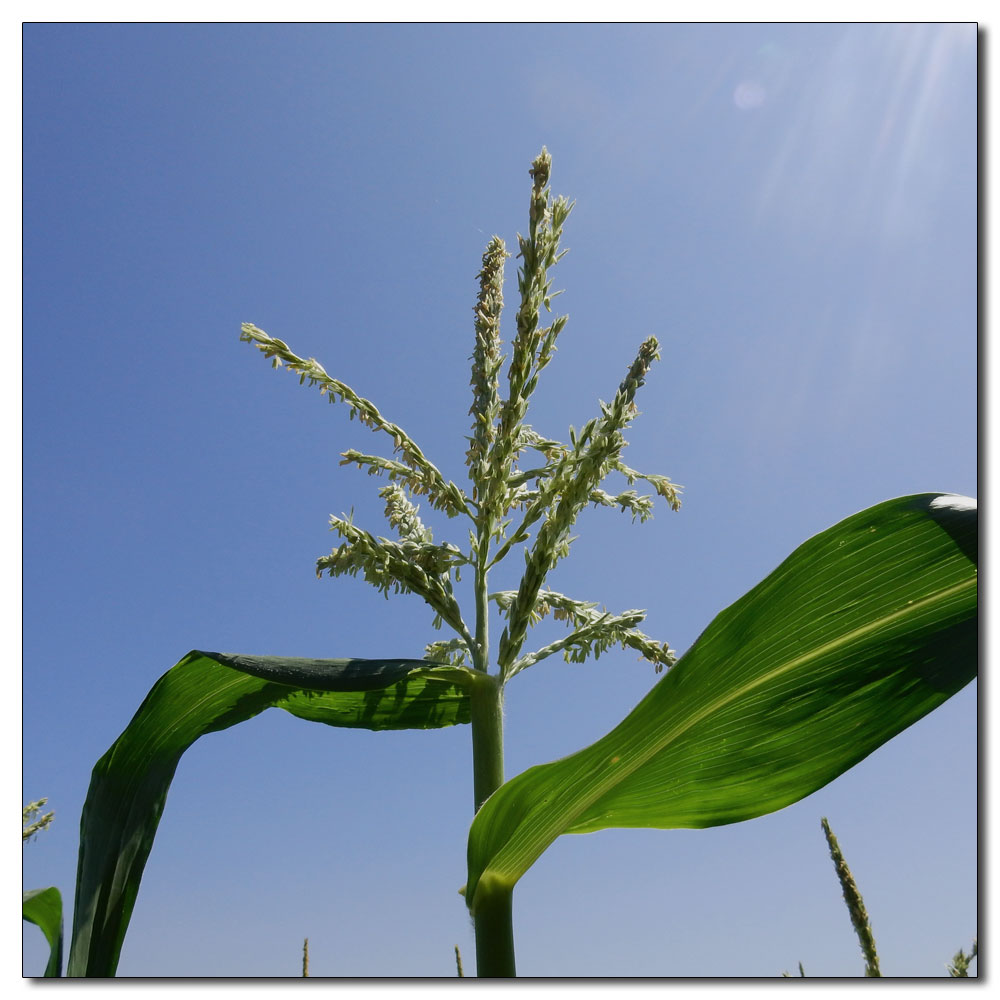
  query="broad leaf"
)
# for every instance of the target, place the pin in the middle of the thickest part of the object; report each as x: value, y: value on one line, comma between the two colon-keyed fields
x: 204, y: 693
x: 863, y: 630
x: 44, y: 908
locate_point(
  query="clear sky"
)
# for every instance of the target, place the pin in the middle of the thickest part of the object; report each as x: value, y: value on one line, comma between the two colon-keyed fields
x: 790, y: 209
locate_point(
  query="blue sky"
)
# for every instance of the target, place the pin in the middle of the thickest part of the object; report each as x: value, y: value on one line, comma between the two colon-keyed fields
x: 790, y: 209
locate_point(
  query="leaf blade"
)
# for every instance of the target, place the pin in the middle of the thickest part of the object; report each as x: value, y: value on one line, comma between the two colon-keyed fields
x: 43, y: 907
x: 864, y: 629
x: 208, y: 692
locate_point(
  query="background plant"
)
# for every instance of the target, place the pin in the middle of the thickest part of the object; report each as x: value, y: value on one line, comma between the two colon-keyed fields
x: 43, y: 907
x: 958, y: 967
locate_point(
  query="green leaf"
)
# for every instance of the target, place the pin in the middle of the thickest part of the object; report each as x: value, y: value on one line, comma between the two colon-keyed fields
x: 44, y: 908
x: 204, y: 693
x: 863, y: 630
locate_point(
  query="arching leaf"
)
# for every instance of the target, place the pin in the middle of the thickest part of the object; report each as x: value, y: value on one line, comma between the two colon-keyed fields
x: 44, y: 908
x: 863, y: 630
x: 204, y: 693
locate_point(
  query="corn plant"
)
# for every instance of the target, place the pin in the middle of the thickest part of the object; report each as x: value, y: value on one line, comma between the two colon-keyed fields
x: 860, y: 632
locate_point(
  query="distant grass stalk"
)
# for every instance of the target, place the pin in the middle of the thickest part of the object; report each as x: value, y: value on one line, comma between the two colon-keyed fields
x: 855, y: 904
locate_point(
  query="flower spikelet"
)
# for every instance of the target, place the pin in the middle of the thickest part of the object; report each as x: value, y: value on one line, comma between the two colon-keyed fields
x: 486, y: 361
x: 661, y: 484
x: 443, y: 495
x: 570, y: 487
x: 450, y: 651
x: 403, y: 515
x: 532, y: 347
x: 406, y: 566
x: 594, y: 631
